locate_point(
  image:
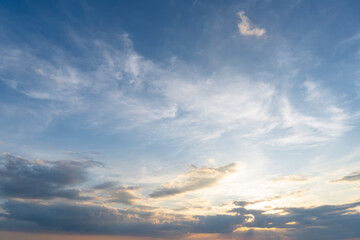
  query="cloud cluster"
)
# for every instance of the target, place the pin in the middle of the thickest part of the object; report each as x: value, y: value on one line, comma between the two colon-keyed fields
x: 21, y: 178
x: 39, y: 179
x: 322, y: 222
x: 91, y: 219
x: 331, y: 222
x: 52, y: 182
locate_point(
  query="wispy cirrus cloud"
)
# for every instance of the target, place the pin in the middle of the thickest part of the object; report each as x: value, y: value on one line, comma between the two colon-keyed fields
x: 329, y: 123
x: 123, y: 90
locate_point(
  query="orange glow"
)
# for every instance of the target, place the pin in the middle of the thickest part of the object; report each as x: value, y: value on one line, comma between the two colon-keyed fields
x: 47, y: 236
x: 244, y: 229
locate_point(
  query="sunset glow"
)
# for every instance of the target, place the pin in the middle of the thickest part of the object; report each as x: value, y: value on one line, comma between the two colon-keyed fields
x: 179, y: 119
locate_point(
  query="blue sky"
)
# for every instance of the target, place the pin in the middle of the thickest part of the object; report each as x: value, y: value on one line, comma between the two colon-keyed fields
x: 179, y: 119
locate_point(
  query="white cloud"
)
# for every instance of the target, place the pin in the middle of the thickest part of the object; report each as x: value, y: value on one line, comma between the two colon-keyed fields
x: 124, y: 90
x: 212, y: 107
x: 310, y: 130
x: 247, y: 28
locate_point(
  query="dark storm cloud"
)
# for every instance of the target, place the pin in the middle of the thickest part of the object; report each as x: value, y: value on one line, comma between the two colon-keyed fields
x: 23, y: 178
x: 195, y: 179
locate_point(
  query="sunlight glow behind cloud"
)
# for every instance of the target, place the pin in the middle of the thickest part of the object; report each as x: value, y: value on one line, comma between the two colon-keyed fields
x: 178, y: 120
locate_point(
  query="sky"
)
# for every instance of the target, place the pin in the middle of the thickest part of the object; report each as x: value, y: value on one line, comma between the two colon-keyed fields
x: 169, y: 119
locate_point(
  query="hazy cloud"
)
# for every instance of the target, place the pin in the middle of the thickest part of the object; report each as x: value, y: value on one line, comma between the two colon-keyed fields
x: 290, y: 178
x: 39, y: 71
x: 276, y: 197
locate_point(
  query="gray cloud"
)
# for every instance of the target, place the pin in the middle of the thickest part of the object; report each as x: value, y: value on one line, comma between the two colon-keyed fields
x: 197, y: 178
x: 38, y: 179
x: 112, y: 192
x: 352, y: 177
x: 323, y: 222
x: 330, y: 222
x: 85, y: 219
x: 276, y: 197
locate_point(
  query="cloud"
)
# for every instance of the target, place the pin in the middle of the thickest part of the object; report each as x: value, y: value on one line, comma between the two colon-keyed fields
x: 290, y: 178
x: 332, y: 222
x: 87, y: 218
x: 209, y: 108
x: 329, y: 123
x: 247, y: 29
x: 196, y: 179
x: 269, y: 201
x: 45, y: 180
x: 39, y: 179
x: 39, y: 71
x: 123, y: 90
x: 111, y: 192
x: 352, y: 177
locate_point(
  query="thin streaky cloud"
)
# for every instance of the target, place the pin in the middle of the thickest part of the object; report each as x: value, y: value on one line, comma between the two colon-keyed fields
x: 352, y: 177
x: 195, y: 179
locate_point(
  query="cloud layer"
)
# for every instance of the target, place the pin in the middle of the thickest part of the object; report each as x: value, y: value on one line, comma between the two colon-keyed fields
x: 323, y: 222
x: 123, y: 90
